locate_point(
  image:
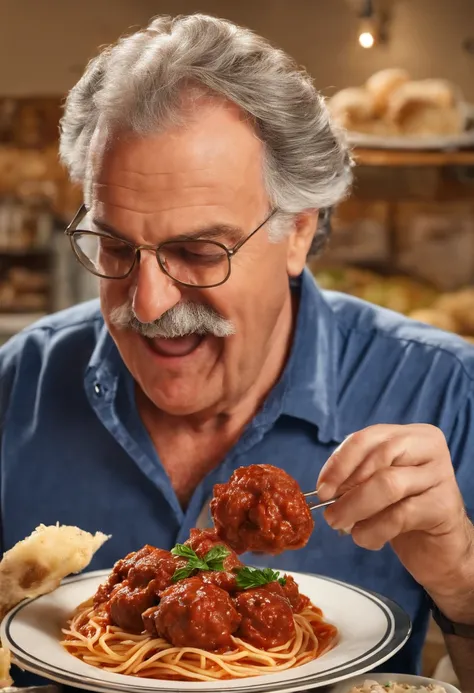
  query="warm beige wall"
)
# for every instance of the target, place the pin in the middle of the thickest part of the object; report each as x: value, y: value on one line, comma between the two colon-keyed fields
x: 44, y: 44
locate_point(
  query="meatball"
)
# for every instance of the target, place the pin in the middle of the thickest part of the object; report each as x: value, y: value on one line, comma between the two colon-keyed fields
x: 156, y: 569
x: 275, y: 588
x: 261, y: 508
x: 291, y: 591
x: 123, y: 566
x: 224, y: 579
x: 267, y: 618
x: 105, y: 590
x: 195, y: 614
x: 120, y: 573
x: 203, y: 540
x: 127, y: 605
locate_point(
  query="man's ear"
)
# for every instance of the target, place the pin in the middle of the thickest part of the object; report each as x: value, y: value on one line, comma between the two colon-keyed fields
x: 299, y: 241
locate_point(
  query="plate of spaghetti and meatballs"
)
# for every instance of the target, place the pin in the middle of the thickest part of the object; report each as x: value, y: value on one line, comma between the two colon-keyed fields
x: 194, y: 617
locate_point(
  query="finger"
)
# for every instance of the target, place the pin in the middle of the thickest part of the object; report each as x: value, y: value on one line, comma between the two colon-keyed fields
x: 385, y: 488
x: 423, y: 513
x: 408, y: 449
x: 408, y: 515
x: 349, y: 455
x: 373, y: 448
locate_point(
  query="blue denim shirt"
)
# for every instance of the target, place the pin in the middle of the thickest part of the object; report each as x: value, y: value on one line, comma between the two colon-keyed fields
x: 74, y: 450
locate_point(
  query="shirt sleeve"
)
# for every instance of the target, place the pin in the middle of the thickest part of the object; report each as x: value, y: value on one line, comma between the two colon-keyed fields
x: 461, y: 444
x: 9, y: 355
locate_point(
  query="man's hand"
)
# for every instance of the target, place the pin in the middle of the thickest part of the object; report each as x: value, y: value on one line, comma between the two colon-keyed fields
x: 397, y: 485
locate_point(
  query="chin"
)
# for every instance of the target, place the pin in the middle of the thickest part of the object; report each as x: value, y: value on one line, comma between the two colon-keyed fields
x: 179, y: 403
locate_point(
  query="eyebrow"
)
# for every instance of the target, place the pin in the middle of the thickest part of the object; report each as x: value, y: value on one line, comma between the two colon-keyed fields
x: 209, y: 233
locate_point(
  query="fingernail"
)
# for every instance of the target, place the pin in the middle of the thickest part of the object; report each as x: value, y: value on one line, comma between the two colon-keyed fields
x: 323, y: 491
x: 334, y: 523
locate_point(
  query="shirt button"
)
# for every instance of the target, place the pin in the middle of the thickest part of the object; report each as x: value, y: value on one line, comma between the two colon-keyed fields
x: 98, y: 389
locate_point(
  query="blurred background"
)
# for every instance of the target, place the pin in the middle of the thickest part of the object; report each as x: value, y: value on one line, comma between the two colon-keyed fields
x: 398, y: 74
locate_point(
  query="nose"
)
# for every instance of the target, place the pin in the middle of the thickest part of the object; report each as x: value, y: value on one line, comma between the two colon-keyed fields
x: 153, y: 292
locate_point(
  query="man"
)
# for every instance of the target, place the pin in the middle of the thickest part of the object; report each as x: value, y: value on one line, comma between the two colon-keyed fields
x: 206, y: 157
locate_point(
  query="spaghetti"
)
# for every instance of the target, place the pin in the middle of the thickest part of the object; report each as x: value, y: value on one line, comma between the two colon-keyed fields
x: 106, y: 646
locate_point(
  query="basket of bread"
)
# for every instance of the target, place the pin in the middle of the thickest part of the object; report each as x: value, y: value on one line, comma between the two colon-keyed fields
x: 393, y: 111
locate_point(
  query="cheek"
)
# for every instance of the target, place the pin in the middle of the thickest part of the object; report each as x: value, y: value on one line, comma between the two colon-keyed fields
x: 253, y: 296
x: 260, y: 277
x: 112, y: 294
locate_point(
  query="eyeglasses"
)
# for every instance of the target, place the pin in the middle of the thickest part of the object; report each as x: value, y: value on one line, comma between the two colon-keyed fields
x: 190, y: 262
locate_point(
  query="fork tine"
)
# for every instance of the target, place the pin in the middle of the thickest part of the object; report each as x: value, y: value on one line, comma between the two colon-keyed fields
x: 322, y: 505
x: 311, y: 493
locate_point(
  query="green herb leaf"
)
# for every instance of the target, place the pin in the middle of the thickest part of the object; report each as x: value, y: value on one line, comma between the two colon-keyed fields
x: 217, y: 553
x: 213, y: 560
x: 282, y: 581
x: 200, y: 564
x: 184, y: 551
x: 255, y: 577
x: 215, y: 557
x: 182, y: 573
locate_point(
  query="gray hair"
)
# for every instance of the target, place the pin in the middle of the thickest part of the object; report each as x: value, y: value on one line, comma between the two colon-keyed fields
x: 185, y: 318
x: 138, y: 83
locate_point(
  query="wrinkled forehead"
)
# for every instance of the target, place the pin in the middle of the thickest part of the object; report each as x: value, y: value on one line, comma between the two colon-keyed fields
x: 215, y: 151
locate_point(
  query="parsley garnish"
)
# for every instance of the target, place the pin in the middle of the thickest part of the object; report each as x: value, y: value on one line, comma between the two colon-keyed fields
x: 255, y: 577
x: 213, y: 560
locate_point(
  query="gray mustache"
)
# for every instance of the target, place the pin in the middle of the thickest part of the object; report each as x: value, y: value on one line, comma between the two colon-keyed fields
x: 179, y: 321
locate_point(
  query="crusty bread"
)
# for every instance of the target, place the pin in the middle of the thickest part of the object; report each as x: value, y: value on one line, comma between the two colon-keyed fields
x: 382, y: 84
x: 437, y: 92
x: 353, y: 104
x: 427, y: 107
x: 36, y: 565
x: 5, y: 664
x: 432, y: 121
x: 390, y: 104
x: 436, y: 318
x: 460, y: 306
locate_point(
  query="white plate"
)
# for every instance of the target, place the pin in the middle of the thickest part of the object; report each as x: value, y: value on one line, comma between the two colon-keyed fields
x: 463, y: 140
x: 395, y: 678
x: 371, y: 629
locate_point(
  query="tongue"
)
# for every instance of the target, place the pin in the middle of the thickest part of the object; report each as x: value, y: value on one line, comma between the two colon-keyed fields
x: 178, y: 346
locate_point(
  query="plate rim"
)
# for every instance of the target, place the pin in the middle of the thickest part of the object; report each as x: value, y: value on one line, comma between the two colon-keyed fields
x: 398, y: 622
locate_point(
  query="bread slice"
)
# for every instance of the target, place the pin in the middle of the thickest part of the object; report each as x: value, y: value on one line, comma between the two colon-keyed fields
x: 36, y: 565
x: 384, y: 83
x: 5, y: 663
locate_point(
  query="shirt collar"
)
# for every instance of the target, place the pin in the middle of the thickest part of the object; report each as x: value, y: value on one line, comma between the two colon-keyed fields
x: 311, y: 371
x: 307, y: 389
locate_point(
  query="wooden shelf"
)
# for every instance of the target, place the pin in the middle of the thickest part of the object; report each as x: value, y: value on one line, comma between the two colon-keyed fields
x: 388, y: 157
x: 10, y: 323
x: 24, y: 252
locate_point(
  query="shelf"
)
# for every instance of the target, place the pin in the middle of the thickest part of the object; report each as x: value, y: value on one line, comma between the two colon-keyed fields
x: 11, y: 323
x: 388, y: 157
x: 24, y: 252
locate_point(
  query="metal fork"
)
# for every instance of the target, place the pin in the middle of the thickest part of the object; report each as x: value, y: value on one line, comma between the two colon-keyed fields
x: 318, y: 505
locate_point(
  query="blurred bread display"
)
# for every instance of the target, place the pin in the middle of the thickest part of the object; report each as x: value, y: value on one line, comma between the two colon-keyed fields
x: 381, y: 85
x: 436, y: 318
x: 391, y: 103
x: 460, y: 306
x: 452, y: 312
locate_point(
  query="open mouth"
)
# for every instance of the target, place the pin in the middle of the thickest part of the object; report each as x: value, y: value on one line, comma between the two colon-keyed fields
x: 176, y: 346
